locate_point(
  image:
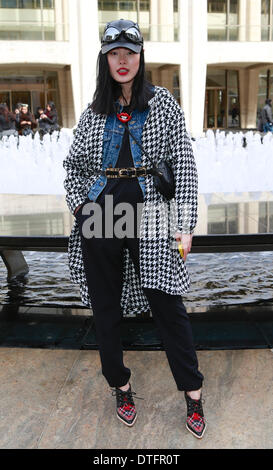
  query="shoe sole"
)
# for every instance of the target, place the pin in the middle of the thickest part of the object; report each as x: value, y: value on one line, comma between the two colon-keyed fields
x: 127, y: 424
x: 195, y: 435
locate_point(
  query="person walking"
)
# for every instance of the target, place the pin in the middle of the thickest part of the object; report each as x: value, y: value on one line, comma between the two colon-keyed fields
x: 267, y: 119
x: 106, y: 171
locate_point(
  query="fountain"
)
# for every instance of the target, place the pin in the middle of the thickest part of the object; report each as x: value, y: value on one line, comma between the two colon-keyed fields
x: 33, y: 166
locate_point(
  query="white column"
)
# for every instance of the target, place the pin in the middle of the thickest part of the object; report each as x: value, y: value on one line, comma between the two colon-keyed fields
x: 154, y: 20
x: 89, y: 47
x: 254, y: 20
x: 58, y: 20
x: 85, y: 46
x: 193, y: 66
x: 65, y: 20
x: 166, y: 20
x: 74, y: 55
x: 242, y: 19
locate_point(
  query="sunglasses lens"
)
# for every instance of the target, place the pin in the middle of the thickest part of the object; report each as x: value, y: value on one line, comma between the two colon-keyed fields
x: 133, y: 34
x: 111, y: 34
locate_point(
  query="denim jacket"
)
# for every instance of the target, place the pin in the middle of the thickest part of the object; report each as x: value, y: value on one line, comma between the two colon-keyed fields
x: 112, y: 141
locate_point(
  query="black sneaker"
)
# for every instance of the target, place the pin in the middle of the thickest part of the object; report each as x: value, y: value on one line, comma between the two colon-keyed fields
x: 126, y: 410
x: 195, y: 416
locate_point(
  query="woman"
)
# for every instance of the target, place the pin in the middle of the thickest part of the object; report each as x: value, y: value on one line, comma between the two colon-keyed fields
x: 48, y: 120
x: 106, y: 170
x: 7, y: 121
x: 26, y: 121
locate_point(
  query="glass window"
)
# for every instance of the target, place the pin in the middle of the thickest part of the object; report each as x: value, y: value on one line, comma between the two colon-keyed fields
x: 176, y: 87
x: 266, y: 217
x: 222, y: 105
x: 35, y: 26
x: 223, y: 20
x: 270, y: 84
x: 140, y: 12
x: 263, y: 92
x: 234, y: 7
x: 265, y: 13
x: 8, y: 3
x: 233, y: 99
x: 34, y: 88
x: 5, y: 98
x: 216, y: 78
x: 222, y: 218
x: 27, y: 4
x: 217, y: 6
x: 267, y: 20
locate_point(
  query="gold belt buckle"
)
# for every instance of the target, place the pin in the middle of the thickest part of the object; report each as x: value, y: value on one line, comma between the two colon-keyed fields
x: 125, y: 175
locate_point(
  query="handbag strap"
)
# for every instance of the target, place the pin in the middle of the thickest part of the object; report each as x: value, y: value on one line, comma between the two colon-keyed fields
x: 141, y: 147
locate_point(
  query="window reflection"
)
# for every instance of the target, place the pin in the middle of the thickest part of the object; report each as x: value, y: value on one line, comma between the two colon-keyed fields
x: 222, y: 218
x: 146, y: 14
x: 265, y: 217
x: 266, y: 20
x: 222, y: 106
x: 30, y: 4
x: 29, y: 20
x: 265, y: 90
x: 223, y: 20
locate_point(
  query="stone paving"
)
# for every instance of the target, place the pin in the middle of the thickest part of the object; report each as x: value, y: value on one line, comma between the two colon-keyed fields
x: 58, y: 399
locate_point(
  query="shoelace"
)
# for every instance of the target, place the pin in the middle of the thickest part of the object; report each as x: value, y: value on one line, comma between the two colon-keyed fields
x: 195, y: 406
x: 125, y: 396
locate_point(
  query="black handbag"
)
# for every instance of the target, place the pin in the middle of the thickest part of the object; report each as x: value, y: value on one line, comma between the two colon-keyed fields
x: 162, y: 174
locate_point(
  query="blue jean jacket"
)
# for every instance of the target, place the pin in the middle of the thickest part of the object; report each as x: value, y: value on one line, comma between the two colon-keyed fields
x: 112, y: 141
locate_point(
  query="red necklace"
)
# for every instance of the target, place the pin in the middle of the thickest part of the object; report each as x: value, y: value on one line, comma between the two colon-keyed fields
x: 124, y: 117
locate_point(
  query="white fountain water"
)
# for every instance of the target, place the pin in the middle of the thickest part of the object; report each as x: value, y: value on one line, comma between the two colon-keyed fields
x: 32, y: 166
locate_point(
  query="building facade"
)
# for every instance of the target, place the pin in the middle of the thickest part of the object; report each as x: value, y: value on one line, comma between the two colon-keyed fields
x: 215, y: 56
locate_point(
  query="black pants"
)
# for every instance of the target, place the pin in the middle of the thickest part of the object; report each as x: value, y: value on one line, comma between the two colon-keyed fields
x: 103, y: 267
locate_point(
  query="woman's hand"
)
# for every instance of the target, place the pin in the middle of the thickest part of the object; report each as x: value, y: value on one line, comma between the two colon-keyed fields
x: 186, y: 240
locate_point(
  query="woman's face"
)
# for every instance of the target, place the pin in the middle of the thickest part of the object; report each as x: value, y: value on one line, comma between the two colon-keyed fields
x: 123, y: 64
x: 24, y: 109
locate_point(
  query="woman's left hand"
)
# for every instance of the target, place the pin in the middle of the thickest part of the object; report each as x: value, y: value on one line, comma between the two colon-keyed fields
x: 186, y: 240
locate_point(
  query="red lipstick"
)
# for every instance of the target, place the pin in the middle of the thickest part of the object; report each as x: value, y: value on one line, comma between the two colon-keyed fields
x: 122, y: 71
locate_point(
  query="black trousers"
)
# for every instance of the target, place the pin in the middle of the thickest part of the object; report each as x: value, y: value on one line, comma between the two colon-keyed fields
x: 103, y: 267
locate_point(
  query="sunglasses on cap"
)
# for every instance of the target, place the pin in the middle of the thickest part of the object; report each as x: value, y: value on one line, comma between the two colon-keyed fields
x: 112, y: 34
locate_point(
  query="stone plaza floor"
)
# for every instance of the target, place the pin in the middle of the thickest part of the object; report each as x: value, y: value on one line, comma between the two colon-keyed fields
x: 58, y: 399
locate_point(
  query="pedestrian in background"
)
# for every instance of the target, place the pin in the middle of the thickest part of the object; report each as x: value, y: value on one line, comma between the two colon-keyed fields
x: 267, y: 119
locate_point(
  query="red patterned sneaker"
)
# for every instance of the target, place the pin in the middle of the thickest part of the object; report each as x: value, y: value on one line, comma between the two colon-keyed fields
x: 195, y: 417
x: 126, y: 410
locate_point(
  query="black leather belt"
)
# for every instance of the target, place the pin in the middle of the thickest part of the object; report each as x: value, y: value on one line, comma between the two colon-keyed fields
x: 130, y: 172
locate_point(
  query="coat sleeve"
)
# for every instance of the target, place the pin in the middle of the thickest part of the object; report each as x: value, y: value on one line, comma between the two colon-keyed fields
x: 184, y: 168
x: 76, y: 182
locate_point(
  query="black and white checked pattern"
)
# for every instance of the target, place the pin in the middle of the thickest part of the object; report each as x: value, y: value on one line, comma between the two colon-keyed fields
x: 161, y: 266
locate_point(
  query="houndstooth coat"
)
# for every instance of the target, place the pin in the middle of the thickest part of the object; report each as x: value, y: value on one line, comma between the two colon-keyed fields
x: 161, y: 265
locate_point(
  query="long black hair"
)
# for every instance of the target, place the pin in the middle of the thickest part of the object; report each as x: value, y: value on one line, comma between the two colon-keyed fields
x: 108, y: 90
